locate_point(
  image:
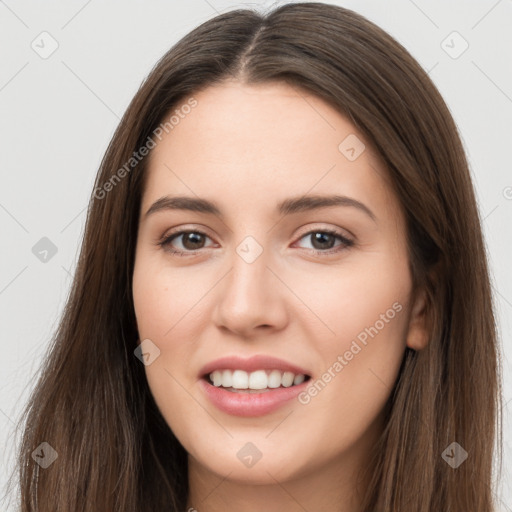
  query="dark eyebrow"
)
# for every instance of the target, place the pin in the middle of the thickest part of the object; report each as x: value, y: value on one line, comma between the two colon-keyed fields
x: 286, y: 207
x: 313, y: 202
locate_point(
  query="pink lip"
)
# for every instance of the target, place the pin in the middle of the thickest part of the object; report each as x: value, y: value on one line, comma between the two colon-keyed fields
x: 259, y: 362
x: 250, y: 404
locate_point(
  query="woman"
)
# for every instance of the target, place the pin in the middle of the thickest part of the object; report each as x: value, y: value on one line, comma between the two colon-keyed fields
x: 207, y: 359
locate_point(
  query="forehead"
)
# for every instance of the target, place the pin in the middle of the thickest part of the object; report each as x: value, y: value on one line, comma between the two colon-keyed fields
x: 255, y: 145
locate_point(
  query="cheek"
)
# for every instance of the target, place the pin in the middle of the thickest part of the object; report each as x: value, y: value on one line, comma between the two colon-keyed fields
x: 168, y: 312
x: 366, y: 308
x: 164, y: 300
x: 367, y: 358
x: 367, y: 292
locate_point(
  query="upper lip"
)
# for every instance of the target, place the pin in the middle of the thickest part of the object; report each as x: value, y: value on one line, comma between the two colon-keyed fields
x: 259, y: 362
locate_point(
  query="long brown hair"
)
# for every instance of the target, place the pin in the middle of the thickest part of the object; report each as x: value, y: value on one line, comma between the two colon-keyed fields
x: 92, y: 403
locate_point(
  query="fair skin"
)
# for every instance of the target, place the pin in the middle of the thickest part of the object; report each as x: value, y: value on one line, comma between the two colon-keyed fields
x: 247, y: 148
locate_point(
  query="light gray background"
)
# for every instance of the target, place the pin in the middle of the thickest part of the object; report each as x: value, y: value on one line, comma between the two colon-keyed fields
x: 57, y: 115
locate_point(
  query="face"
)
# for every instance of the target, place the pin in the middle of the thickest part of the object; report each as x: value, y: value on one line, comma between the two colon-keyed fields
x: 309, y: 299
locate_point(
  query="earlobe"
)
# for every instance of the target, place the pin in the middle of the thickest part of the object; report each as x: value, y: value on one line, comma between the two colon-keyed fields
x: 418, y: 332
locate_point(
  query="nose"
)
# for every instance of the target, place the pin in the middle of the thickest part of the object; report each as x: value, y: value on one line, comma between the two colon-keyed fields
x: 252, y: 299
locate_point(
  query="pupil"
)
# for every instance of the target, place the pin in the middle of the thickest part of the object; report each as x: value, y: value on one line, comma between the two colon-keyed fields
x: 319, y: 237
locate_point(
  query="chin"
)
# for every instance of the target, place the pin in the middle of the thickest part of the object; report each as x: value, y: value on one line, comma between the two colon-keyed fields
x: 246, y: 457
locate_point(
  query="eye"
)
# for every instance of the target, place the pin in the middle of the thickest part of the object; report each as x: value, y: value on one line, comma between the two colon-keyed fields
x: 190, y: 241
x: 323, y: 241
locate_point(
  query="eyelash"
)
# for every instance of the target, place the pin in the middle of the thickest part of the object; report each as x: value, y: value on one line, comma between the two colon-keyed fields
x: 346, y: 243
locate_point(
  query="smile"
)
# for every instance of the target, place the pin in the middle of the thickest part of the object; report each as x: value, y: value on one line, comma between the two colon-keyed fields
x: 256, y: 397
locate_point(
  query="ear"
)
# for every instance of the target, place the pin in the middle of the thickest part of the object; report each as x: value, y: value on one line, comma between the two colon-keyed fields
x: 418, y: 332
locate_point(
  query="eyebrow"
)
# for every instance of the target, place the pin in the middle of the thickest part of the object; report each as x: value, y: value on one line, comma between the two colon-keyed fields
x: 286, y: 207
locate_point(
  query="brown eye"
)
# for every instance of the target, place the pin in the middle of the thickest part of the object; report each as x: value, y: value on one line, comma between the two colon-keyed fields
x: 192, y: 240
x: 324, y: 241
x: 186, y: 241
x: 321, y: 240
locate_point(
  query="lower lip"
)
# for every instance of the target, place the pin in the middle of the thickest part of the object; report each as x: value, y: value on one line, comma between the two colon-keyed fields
x: 250, y: 404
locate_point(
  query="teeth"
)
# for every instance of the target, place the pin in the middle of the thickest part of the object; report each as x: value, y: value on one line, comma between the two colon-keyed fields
x: 299, y: 379
x: 259, y: 379
x: 274, y: 379
x: 227, y: 378
x: 240, y: 380
x: 287, y: 379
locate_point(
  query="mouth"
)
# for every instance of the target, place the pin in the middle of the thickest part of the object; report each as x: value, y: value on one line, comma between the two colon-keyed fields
x: 254, y: 386
x: 258, y: 381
